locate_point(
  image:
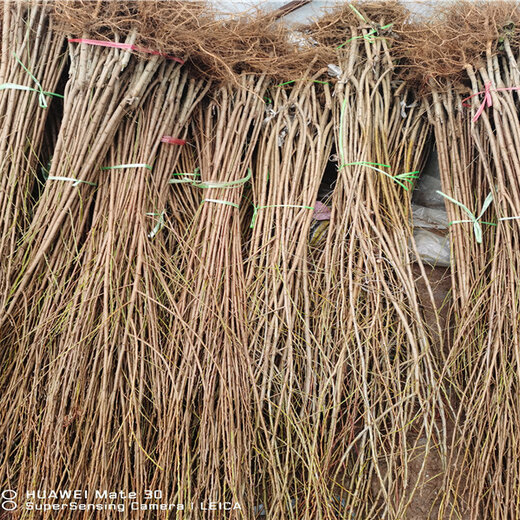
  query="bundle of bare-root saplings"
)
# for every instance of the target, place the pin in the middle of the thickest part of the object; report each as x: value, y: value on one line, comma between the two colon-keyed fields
x: 381, y: 416
x: 87, y: 290
x: 466, y: 64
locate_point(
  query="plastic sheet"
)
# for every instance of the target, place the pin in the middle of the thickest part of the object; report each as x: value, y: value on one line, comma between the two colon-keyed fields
x: 429, y: 214
x: 429, y: 218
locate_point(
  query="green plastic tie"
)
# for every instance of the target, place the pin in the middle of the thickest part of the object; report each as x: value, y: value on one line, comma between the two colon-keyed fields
x: 406, y: 177
x: 41, y: 93
x: 472, y: 218
x: 210, y: 184
x: 181, y: 181
x: 357, y: 13
x: 369, y: 37
x: 219, y: 184
x: 195, y: 173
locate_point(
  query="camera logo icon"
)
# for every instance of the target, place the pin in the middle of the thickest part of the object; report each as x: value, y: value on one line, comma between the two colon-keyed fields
x: 8, y: 500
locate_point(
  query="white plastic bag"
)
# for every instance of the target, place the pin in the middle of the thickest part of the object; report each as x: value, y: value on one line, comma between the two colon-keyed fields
x: 433, y: 249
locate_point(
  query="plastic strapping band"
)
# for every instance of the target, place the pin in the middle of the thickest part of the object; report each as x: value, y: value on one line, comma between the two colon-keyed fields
x: 488, y: 100
x: 295, y: 80
x: 181, y: 181
x: 210, y: 184
x: 125, y: 46
x: 195, y: 173
x: 357, y: 13
x: 159, y: 225
x: 41, y: 93
x: 75, y: 182
x: 173, y: 140
x: 122, y: 166
x: 218, y: 201
x: 406, y: 177
x: 341, y: 120
x: 256, y: 208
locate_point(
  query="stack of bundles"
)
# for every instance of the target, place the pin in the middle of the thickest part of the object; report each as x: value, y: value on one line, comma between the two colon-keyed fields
x: 474, y: 111
x: 31, y: 65
x: 132, y: 368
x: 379, y: 408
x: 88, y: 299
x: 168, y: 319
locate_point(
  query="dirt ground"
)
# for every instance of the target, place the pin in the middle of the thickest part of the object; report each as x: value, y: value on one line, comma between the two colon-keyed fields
x: 425, y: 504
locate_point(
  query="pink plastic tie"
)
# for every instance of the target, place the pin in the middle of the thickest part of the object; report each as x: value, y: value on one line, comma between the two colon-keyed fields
x: 488, y: 100
x: 125, y: 46
x: 173, y: 140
